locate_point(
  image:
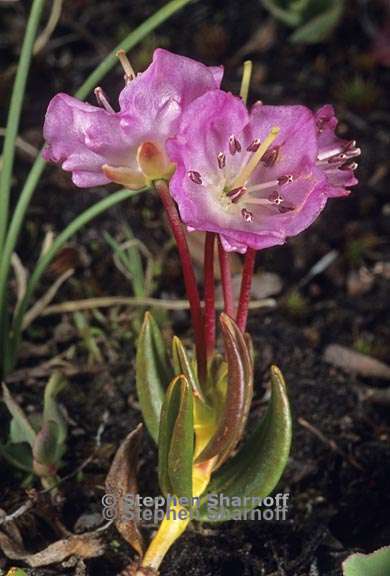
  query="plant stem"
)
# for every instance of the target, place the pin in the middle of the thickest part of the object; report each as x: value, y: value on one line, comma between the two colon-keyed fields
x: 172, y: 527
x: 188, y: 273
x: 246, y: 282
x: 14, y: 114
x: 209, y: 294
x: 80, y: 221
x: 226, y: 279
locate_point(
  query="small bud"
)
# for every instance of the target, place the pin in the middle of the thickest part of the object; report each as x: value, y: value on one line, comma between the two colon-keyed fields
x: 153, y: 162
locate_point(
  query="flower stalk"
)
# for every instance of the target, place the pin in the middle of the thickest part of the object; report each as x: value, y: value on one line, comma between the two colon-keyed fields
x: 245, y: 292
x: 192, y: 291
x: 209, y: 295
x: 226, y: 279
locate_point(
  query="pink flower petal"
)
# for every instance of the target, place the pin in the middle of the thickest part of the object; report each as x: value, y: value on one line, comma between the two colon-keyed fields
x: 83, y: 137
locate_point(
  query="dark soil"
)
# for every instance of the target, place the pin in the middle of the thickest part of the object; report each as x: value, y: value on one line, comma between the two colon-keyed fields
x: 339, y: 470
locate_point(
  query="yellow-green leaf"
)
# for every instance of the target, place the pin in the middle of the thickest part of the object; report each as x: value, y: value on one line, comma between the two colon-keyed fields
x: 176, y: 439
x: 153, y: 373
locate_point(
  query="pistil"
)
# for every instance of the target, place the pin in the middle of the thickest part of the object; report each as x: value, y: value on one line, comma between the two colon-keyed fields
x: 248, y: 169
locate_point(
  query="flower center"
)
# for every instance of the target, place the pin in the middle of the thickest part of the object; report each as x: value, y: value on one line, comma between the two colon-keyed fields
x: 238, y: 194
x: 248, y: 169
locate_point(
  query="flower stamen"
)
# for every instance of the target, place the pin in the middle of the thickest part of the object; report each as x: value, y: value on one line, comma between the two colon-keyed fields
x: 346, y: 151
x: 195, y: 177
x: 236, y: 194
x: 248, y: 169
x: 284, y: 208
x: 270, y: 157
x: 234, y: 145
x: 127, y: 67
x: 287, y: 179
x: 275, y: 198
x: 247, y: 215
x: 349, y: 166
x: 221, y: 160
x: 254, y: 145
x: 103, y: 100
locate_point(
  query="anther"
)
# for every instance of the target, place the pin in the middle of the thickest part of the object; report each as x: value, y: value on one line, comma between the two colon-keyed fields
x: 287, y: 179
x: 127, y: 67
x: 270, y: 157
x: 254, y: 145
x: 236, y: 194
x: 275, y: 198
x: 247, y: 215
x: 234, y: 145
x: 221, y: 160
x: 102, y: 99
x: 338, y: 158
x: 350, y: 144
x: 349, y: 166
x: 283, y: 208
x: 195, y: 177
x: 353, y: 152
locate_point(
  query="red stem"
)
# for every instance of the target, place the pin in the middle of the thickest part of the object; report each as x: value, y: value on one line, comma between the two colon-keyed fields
x: 188, y: 273
x: 209, y: 294
x: 245, y: 293
x: 226, y: 279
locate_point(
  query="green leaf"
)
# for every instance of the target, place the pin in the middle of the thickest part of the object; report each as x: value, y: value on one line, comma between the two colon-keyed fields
x: 238, y: 396
x: 375, y: 564
x: 257, y: 467
x: 176, y: 439
x: 51, y: 411
x: 182, y: 446
x: 320, y: 27
x: 153, y: 373
x: 18, y: 455
x: 20, y: 428
x: 182, y: 365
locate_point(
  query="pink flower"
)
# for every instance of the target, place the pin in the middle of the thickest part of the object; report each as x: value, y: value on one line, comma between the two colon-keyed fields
x: 99, y: 145
x: 255, y: 178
